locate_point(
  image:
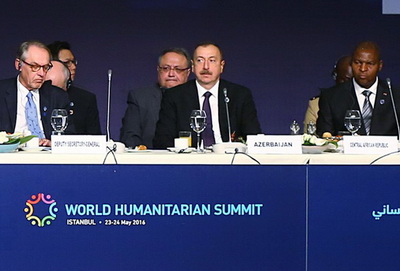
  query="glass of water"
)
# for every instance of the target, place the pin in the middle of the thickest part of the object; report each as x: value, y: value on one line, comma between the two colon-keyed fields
x: 198, y: 122
x: 59, y: 120
x: 352, y: 121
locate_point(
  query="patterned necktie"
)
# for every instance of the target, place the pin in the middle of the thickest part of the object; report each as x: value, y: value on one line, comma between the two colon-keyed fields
x: 367, y: 111
x: 32, y: 117
x: 208, y: 135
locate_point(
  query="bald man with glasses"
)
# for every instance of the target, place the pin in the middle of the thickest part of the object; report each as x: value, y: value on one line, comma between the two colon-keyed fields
x: 26, y: 102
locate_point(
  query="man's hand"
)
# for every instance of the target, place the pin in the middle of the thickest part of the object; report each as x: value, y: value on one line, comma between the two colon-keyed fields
x: 45, y: 142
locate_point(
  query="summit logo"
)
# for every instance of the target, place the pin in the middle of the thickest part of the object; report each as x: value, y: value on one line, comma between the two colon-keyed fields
x: 41, y: 210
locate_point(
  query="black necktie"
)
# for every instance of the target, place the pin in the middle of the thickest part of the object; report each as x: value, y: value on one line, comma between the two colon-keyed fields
x: 208, y: 134
x: 367, y: 111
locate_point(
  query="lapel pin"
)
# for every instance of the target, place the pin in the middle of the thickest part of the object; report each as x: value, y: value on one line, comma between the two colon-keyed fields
x: 382, y: 101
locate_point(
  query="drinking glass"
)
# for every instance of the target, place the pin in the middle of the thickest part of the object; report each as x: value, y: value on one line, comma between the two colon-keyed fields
x: 352, y: 121
x: 59, y: 120
x: 311, y: 128
x: 294, y: 128
x: 187, y: 135
x: 198, y: 122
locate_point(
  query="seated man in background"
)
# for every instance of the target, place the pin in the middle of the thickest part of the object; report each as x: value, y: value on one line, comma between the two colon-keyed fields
x: 365, y: 92
x: 342, y: 72
x: 26, y: 102
x: 86, y: 113
x: 207, y: 90
x: 58, y: 74
x: 141, y: 116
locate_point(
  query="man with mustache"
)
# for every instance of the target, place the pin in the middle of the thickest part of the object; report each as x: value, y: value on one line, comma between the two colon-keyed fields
x: 26, y: 102
x: 207, y: 92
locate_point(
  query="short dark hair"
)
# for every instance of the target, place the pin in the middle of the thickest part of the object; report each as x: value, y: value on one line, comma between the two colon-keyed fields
x: 177, y: 50
x: 23, y: 48
x: 207, y: 43
x: 57, y: 46
x: 370, y: 45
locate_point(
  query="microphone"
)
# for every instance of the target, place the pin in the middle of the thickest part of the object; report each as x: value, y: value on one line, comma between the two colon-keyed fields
x: 228, y: 147
x: 111, y: 145
x: 227, y: 113
x: 108, y: 104
x: 394, y: 106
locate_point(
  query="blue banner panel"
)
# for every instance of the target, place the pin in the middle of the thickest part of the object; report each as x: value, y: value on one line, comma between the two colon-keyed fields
x: 135, y: 217
x: 354, y: 218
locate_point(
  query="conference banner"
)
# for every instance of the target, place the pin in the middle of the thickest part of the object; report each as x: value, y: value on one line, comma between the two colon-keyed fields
x: 354, y: 218
x: 136, y: 217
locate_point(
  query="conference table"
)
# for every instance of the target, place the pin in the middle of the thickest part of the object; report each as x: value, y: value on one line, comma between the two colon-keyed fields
x: 159, y: 210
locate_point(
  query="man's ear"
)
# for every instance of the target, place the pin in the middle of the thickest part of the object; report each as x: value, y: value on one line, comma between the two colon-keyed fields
x: 18, y: 64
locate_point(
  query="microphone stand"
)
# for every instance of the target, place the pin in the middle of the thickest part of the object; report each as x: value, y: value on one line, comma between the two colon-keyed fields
x: 227, y: 115
x: 394, y: 107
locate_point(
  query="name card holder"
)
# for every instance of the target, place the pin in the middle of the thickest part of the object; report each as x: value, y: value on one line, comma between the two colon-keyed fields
x: 369, y: 144
x: 279, y: 144
x: 78, y: 144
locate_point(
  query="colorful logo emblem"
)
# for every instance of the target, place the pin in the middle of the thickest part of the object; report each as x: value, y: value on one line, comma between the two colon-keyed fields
x: 36, y: 204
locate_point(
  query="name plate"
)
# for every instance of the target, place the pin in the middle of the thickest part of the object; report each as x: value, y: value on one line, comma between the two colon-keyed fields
x: 280, y: 144
x: 369, y: 144
x: 78, y: 144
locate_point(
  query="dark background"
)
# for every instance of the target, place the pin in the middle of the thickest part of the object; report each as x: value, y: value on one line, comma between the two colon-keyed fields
x: 282, y: 50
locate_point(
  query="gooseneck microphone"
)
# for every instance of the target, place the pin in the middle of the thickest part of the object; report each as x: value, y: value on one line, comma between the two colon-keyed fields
x: 227, y: 113
x: 108, y: 104
x: 394, y: 106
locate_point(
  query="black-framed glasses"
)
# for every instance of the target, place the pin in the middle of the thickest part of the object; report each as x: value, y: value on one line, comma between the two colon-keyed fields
x: 70, y: 62
x: 166, y: 69
x: 37, y: 67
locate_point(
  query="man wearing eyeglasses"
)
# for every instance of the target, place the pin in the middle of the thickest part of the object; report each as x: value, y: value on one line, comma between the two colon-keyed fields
x: 26, y: 102
x: 83, y: 102
x: 141, y: 116
x: 207, y: 92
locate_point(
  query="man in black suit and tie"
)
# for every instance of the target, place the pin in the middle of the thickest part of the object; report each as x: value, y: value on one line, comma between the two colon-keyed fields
x: 365, y: 92
x: 208, y: 91
x: 83, y: 102
x: 26, y: 102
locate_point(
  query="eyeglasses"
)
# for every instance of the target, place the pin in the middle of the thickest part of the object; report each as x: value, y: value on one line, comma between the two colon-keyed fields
x: 70, y: 62
x: 37, y: 67
x: 169, y: 68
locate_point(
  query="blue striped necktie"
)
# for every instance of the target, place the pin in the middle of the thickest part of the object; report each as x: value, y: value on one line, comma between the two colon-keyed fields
x: 367, y: 111
x: 32, y: 117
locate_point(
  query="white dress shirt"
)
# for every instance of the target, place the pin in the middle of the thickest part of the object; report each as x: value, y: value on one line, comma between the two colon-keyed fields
x: 361, y: 98
x: 21, y: 125
x: 214, y: 108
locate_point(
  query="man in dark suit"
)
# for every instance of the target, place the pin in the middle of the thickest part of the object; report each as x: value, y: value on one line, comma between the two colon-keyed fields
x: 141, y: 116
x: 32, y: 62
x: 365, y: 92
x: 178, y: 103
x: 83, y: 102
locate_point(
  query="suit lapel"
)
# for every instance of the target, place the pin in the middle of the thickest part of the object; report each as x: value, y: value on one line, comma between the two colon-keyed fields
x: 193, y: 101
x: 380, y: 114
x: 45, y: 106
x: 223, y: 123
x: 11, y: 101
